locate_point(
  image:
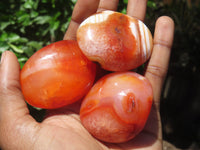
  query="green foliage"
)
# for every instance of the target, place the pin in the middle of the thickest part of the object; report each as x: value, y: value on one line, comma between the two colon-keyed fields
x: 123, y: 5
x: 28, y: 25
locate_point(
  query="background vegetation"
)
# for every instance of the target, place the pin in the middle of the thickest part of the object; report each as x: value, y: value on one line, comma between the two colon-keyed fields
x: 28, y: 25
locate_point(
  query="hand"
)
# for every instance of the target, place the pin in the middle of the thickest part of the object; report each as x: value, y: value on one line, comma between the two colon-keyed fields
x: 61, y: 129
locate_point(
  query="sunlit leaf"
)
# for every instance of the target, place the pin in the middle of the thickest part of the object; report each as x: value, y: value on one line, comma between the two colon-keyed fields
x: 42, y: 19
x: 3, y: 25
x: 23, y: 17
x: 15, y: 48
x: 22, y: 40
x: 13, y: 37
x: 22, y: 59
x: 28, y: 4
x: 34, y: 14
x: 35, y: 44
x: 74, y: 1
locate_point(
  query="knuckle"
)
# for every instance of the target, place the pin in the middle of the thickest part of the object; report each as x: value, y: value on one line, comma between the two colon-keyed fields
x: 162, y: 43
x: 157, y: 71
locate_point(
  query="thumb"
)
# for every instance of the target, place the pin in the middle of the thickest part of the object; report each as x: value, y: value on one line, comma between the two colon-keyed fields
x: 17, y: 127
x: 11, y: 99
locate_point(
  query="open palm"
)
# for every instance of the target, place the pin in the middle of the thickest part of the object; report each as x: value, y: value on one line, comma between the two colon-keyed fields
x: 61, y: 129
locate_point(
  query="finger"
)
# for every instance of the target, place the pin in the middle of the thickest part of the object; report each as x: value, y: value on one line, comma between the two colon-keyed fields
x: 11, y: 99
x: 15, y: 122
x: 158, y: 64
x: 82, y: 10
x: 137, y: 9
x: 108, y: 5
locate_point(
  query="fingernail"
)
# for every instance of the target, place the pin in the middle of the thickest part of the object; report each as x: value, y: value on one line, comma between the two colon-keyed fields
x: 3, y: 57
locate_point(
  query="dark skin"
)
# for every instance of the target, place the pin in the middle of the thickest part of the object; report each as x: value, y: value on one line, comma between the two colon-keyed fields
x: 61, y: 129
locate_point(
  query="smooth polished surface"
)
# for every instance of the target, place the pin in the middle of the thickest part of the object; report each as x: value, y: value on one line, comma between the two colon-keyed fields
x: 117, y: 107
x: 115, y: 40
x: 57, y: 75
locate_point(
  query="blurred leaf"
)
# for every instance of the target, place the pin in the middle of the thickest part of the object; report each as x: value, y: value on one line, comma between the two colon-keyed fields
x: 56, y: 15
x: 74, y: 1
x: 22, y: 59
x: 4, y: 36
x: 22, y: 30
x: 44, y: 32
x: 35, y: 4
x: 21, y: 64
x: 64, y: 26
x: 22, y: 17
x: 29, y: 4
x: 53, y: 3
x: 22, y: 40
x: 42, y: 19
x: 123, y: 11
x: 3, y: 46
x: 3, y: 25
x: 44, y: 1
x: 13, y: 37
x: 15, y: 48
x: 125, y: 1
x: 151, y: 4
x: 34, y: 44
x: 34, y: 14
x: 55, y: 25
x: 29, y: 51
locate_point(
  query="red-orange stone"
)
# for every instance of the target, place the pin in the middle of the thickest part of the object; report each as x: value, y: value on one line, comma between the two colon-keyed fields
x: 117, y: 107
x: 57, y: 75
x: 117, y: 41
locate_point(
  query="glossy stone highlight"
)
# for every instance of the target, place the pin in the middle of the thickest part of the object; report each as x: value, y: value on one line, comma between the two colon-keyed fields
x: 57, y: 75
x: 117, y: 107
x: 117, y: 41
